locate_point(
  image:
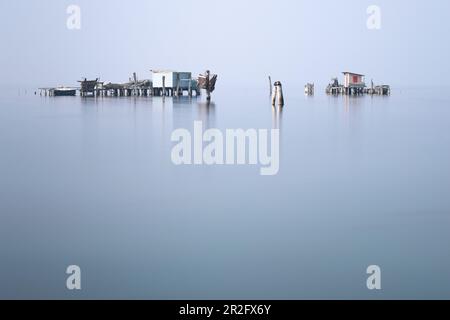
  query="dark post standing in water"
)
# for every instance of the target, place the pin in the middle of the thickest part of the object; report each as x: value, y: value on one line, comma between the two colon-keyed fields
x: 178, y: 85
x: 270, y: 85
x: 277, y: 96
x: 190, y: 87
x: 207, y: 84
x: 164, y: 86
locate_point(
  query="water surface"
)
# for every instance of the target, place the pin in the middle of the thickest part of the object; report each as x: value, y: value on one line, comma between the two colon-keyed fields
x: 90, y: 182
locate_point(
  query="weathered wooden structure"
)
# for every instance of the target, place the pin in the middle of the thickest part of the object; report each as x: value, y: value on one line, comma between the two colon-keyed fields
x: 208, y: 82
x: 334, y: 87
x: 383, y: 90
x: 354, y: 84
x: 89, y: 87
x: 173, y: 83
x: 309, y: 89
x: 165, y: 83
x: 134, y: 87
x: 58, y: 91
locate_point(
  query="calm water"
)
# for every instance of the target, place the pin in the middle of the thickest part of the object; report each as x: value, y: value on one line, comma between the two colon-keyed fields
x: 90, y: 182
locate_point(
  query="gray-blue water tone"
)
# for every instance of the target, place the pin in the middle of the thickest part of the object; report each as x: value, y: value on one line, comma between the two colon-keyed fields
x: 90, y: 182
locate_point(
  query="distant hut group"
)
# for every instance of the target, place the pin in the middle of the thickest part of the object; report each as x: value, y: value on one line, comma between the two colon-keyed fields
x: 163, y: 83
x: 354, y: 84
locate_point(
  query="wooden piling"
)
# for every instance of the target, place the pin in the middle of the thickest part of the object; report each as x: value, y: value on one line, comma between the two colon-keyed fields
x: 277, y: 96
x: 274, y: 95
x: 280, y: 95
x: 190, y: 87
x: 178, y: 85
x: 208, y: 92
x: 270, y: 85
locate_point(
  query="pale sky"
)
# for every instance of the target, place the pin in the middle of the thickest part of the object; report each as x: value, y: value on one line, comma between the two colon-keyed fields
x: 243, y: 41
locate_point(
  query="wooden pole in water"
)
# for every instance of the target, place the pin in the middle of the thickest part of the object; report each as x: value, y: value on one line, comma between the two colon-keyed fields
x: 280, y: 95
x: 190, y: 87
x: 274, y: 95
x: 135, y: 83
x: 270, y: 85
x: 208, y: 92
x: 277, y: 95
x: 164, y: 86
x: 178, y: 84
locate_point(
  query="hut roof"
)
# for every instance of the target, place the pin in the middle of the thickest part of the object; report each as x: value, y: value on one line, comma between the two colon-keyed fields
x: 354, y: 74
x: 162, y: 71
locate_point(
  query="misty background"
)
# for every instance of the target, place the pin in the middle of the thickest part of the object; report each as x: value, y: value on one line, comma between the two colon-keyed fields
x: 243, y: 41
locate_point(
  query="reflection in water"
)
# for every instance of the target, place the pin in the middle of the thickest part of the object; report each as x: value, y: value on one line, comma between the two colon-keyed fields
x: 169, y: 113
x: 186, y: 110
x: 207, y: 113
x: 89, y: 101
x: 350, y: 102
x: 345, y: 188
x: 277, y: 118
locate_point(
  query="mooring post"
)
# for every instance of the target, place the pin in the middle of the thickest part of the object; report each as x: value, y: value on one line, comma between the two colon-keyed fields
x: 178, y: 85
x: 164, y: 86
x: 280, y: 95
x: 274, y: 94
x: 208, y: 88
x: 270, y: 85
x: 277, y: 96
x: 190, y: 87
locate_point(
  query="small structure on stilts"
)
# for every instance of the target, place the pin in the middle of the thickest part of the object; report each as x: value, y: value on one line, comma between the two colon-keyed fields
x: 58, y: 91
x: 382, y: 90
x: 134, y: 87
x: 354, y: 84
x: 334, y: 87
x: 173, y: 83
x: 309, y: 89
x: 89, y: 87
